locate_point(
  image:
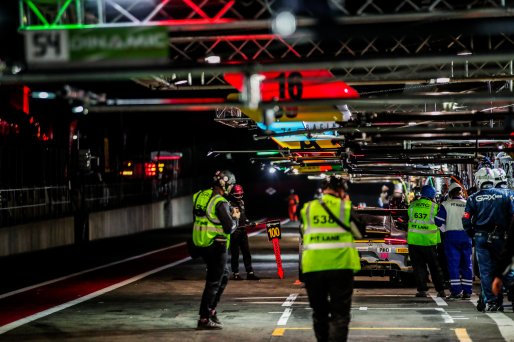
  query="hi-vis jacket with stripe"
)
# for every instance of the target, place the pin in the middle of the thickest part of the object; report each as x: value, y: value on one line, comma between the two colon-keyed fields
x: 207, y: 225
x: 422, y: 228
x: 326, y: 245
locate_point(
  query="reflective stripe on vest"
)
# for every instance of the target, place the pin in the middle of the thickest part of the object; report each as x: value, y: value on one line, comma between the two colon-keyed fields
x: 312, y: 246
x: 422, y: 230
x: 326, y: 245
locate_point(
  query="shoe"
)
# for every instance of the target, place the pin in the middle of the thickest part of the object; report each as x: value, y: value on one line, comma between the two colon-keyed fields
x: 493, y: 307
x: 252, y: 276
x: 480, y: 304
x: 466, y: 296
x: 421, y: 294
x: 213, y: 317
x: 454, y: 296
x: 441, y: 294
x: 208, y: 324
x: 236, y: 276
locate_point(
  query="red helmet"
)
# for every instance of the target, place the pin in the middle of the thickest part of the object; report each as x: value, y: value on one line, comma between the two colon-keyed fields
x: 237, y: 191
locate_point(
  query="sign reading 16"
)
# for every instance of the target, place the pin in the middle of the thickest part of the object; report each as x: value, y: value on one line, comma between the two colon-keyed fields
x: 322, y: 219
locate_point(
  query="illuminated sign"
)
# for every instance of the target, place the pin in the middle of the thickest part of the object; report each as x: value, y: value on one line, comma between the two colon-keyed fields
x: 297, y: 85
x: 127, y: 45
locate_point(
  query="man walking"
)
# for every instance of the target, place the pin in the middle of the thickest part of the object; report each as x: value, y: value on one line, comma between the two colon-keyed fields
x: 329, y: 259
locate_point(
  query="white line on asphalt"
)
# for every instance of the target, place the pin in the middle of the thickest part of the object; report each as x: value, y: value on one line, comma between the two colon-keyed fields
x: 55, y: 309
x: 288, y: 310
x: 505, y: 323
x: 438, y: 300
x: 295, y: 303
x: 285, y: 316
x: 290, y: 300
x: 88, y: 270
x: 446, y: 317
x: 363, y: 308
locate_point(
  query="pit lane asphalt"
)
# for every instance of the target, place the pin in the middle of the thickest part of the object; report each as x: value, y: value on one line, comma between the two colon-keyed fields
x: 156, y: 297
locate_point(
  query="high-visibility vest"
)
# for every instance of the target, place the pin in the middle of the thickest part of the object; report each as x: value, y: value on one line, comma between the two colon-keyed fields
x: 326, y: 245
x: 422, y: 230
x: 207, y: 225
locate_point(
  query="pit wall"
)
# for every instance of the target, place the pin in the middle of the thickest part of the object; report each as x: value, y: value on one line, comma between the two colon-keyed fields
x: 41, y: 235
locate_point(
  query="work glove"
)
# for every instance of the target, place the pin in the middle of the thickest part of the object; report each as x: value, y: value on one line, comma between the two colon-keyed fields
x: 236, y: 214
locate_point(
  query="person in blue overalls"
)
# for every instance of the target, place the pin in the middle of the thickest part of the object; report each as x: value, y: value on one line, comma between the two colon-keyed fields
x: 457, y: 244
x: 486, y: 218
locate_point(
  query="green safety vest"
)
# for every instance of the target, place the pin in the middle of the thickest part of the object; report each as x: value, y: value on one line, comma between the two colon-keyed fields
x: 422, y: 228
x: 326, y: 245
x: 207, y: 225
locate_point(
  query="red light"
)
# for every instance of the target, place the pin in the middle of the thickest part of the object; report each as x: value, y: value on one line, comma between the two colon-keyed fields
x: 395, y: 241
x: 166, y: 158
x: 150, y: 169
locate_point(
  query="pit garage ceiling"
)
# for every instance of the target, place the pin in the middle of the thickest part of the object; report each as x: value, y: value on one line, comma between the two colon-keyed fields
x: 432, y: 75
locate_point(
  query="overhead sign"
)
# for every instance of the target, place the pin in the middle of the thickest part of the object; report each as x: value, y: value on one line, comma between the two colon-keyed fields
x: 292, y: 126
x: 297, y: 85
x: 131, y: 45
x: 308, y: 144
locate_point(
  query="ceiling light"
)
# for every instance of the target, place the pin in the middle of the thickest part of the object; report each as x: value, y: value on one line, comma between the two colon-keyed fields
x: 42, y: 95
x: 181, y: 82
x: 213, y: 59
x: 77, y: 109
x: 284, y: 24
x: 464, y: 53
x: 442, y: 80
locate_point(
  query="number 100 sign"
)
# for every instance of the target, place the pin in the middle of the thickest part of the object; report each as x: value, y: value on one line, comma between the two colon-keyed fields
x: 273, y: 230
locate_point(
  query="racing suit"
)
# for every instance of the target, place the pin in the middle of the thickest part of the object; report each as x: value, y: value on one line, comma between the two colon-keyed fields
x: 486, y: 218
x: 458, y: 247
x: 292, y: 202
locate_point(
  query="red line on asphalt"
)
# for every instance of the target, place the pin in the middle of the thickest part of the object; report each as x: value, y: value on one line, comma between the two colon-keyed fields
x: 35, y: 300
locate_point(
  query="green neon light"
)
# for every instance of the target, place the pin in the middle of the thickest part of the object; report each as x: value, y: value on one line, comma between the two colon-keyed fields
x: 61, y: 11
x: 36, y: 12
x: 267, y: 153
x: 60, y: 27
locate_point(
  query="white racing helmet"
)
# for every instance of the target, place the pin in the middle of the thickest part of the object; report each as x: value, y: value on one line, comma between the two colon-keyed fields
x: 483, y: 177
x: 500, y: 177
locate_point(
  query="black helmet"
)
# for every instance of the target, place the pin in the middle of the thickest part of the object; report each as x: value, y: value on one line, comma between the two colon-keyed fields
x: 335, y: 182
x: 225, y: 179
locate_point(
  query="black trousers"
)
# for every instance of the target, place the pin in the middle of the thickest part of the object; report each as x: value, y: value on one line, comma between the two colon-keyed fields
x: 330, y: 297
x: 421, y: 257
x: 215, y: 258
x: 239, y: 240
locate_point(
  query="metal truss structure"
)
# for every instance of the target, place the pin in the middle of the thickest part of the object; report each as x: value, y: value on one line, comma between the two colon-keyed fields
x: 411, y: 57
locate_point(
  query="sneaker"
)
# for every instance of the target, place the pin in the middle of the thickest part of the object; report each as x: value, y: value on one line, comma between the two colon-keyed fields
x: 466, y: 296
x: 421, y: 294
x: 236, y: 276
x: 441, y: 294
x: 213, y: 317
x: 252, y: 276
x: 208, y: 324
x: 454, y: 296
x: 493, y: 307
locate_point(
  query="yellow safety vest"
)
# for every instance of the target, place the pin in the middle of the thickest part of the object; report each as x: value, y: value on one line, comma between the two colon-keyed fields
x: 422, y: 230
x: 207, y: 225
x: 326, y: 245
